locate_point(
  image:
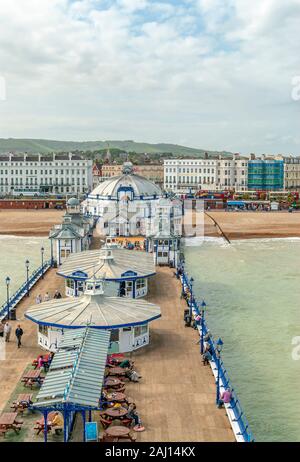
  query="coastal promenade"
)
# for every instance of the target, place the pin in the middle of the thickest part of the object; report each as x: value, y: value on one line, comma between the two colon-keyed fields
x: 176, y: 395
x: 17, y: 359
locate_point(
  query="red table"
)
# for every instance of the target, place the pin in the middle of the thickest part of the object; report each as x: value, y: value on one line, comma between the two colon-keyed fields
x: 32, y: 377
x: 116, y: 397
x: 116, y: 413
x: 8, y: 421
x: 110, y: 382
x: 22, y: 402
x: 116, y: 371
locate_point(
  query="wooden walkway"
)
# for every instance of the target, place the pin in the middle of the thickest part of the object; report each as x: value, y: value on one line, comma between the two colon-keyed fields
x: 17, y: 359
x: 176, y: 396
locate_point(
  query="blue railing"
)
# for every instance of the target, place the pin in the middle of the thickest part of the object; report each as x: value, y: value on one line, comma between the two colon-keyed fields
x: 12, y: 302
x: 235, y: 412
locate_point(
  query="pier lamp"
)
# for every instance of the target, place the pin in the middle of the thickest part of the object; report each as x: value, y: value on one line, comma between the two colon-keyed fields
x: 7, y: 281
x: 191, y: 296
x: 219, y: 347
x: 27, y: 275
x: 51, y: 253
x: 42, y: 255
x: 203, y: 306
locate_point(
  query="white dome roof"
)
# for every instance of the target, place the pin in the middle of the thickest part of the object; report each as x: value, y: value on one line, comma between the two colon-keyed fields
x: 141, y: 186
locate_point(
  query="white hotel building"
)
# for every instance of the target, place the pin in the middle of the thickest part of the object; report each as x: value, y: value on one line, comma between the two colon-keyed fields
x: 210, y: 174
x: 49, y: 173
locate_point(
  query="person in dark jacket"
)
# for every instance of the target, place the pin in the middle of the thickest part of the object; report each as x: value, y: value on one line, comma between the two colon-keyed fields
x: 19, y: 333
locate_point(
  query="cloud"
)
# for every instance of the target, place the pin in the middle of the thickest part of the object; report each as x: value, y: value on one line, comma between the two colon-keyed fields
x: 214, y: 73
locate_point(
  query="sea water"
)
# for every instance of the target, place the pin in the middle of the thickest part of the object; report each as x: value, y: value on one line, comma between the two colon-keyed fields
x: 252, y: 291
x: 14, y: 251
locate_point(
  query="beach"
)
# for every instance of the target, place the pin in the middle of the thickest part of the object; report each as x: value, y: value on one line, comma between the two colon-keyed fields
x: 236, y: 225
x: 247, y: 225
x: 28, y: 222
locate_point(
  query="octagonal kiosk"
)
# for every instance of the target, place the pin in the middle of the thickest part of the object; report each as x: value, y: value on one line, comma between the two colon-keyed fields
x: 127, y: 319
x: 126, y: 272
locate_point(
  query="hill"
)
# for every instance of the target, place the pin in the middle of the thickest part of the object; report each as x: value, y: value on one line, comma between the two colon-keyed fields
x: 47, y: 146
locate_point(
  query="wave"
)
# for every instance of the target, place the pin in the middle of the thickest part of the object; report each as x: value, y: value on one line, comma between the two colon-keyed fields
x: 197, y: 241
x: 4, y: 237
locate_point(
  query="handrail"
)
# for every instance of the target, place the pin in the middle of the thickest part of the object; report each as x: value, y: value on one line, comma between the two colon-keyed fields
x: 22, y: 290
x: 239, y: 417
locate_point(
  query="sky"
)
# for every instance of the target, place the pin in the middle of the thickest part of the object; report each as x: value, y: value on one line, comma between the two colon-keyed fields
x: 210, y: 74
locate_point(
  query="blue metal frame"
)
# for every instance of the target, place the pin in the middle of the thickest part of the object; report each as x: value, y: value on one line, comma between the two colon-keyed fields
x: 117, y: 326
x: 235, y: 405
x: 22, y: 291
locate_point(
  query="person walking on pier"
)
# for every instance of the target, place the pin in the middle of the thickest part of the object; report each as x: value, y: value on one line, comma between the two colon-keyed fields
x: 57, y: 294
x: 19, y: 333
x: 46, y: 297
x: 38, y: 299
x: 7, y: 331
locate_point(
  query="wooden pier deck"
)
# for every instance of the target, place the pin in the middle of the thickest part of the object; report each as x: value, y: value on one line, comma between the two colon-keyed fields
x: 176, y: 396
x: 17, y: 359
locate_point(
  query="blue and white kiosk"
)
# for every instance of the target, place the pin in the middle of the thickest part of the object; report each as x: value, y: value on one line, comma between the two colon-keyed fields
x: 127, y: 319
x: 126, y: 272
x: 165, y: 248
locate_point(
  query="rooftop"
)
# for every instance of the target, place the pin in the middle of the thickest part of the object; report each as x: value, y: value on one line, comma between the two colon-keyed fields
x: 94, y: 309
x: 109, y: 264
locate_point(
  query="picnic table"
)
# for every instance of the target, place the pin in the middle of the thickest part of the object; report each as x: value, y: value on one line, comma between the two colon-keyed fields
x: 117, y: 432
x: 40, y: 424
x: 8, y: 421
x: 32, y: 377
x: 117, y: 397
x: 116, y: 413
x: 35, y: 361
x: 22, y: 402
x: 112, y: 383
x: 116, y: 371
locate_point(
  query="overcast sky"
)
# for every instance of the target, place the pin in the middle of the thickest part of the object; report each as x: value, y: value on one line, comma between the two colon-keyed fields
x: 213, y: 74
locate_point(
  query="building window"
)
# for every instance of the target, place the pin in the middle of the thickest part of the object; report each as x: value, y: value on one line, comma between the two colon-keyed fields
x: 43, y: 330
x: 140, y: 330
x: 140, y: 284
x: 114, y: 336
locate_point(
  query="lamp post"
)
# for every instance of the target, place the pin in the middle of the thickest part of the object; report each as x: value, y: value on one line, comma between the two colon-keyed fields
x: 203, y: 306
x: 27, y: 275
x: 191, y: 296
x: 51, y: 252
x: 218, y: 358
x: 7, y: 280
x: 42, y: 255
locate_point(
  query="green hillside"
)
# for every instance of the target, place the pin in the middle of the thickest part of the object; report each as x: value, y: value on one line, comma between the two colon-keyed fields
x: 46, y: 146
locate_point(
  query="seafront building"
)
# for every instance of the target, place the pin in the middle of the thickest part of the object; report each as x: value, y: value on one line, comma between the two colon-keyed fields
x: 240, y: 174
x: 151, y: 171
x: 45, y: 173
x: 292, y: 173
x: 265, y: 174
x: 213, y: 174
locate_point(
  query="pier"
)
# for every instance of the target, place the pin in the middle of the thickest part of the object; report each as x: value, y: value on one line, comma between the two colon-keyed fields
x: 176, y: 395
